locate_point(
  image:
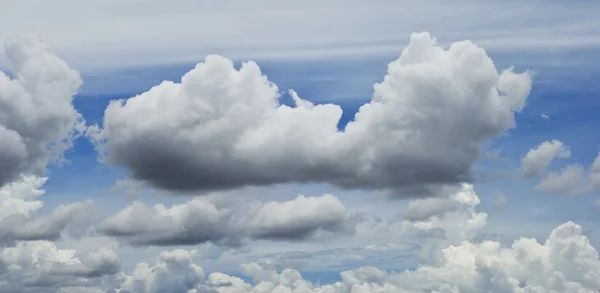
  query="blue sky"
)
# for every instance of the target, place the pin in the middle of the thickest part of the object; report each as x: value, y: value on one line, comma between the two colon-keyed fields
x: 328, y: 53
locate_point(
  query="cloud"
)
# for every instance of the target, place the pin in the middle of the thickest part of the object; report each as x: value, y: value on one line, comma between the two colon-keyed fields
x: 19, y: 220
x: 39, y: 266
x: 362, y: 32
x: 535, y: 162
x: 196, y: 221
x: 300, y: 218
x: 451, y: 226
x: 37, y: 120
x: 174, y: 271
x: 565, y: 262
x: 202, y: 220
x: 412, y: 137
x: 572, y: 180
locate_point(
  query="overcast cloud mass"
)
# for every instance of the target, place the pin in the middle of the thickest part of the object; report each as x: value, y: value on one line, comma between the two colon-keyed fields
x: 338, y: 147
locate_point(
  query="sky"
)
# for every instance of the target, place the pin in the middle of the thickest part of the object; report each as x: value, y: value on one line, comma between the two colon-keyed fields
x: 299, y: 146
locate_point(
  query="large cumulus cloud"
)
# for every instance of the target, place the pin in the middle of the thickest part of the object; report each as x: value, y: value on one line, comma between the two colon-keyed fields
x: 37, y: 119
x: 222, y: 127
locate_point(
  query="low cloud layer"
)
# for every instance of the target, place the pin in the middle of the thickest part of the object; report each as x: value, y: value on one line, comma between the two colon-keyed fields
x: 564, y: 262
x: 37, y: 120
x: 222, y: 127
x: 202, y: 220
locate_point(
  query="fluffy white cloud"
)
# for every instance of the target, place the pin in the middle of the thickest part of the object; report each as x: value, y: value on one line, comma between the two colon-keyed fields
x: 572, y: 180
x: 39, y: 266
x: 203, y: 219
x: 37, y: 119
x: 222, y: 127
x: 173, y: 272
x: 19, y: 203
x: 535, y: 162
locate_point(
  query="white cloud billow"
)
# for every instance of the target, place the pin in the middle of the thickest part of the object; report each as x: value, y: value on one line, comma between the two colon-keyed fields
x: 535, y: 162
x: 222, y: 127
x: 37, y: 119
x: 174, y: 271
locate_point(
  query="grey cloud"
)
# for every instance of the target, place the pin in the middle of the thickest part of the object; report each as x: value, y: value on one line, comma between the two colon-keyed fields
x: 37, y: 120
x: 222, y: 127
x: 200, y: 220
x: 301, y: 218
x: 196, y: 221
